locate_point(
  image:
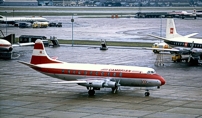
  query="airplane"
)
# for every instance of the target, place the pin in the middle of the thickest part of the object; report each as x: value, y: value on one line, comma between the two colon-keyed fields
x: 93, y: 76
x: 6, y: 48
x: 14, y: 20
x: 184, y: 14
x: 181, y: 45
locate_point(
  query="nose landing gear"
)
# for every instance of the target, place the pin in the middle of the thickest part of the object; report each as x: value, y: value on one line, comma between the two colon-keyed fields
x: 147, y: 93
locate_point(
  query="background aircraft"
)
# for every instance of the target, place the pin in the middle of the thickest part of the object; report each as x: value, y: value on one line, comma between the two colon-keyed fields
x: 182, y: 45
x: 6, y: 48
x: 94, y: 76
x: 184, y: 14
x: 14, y: 20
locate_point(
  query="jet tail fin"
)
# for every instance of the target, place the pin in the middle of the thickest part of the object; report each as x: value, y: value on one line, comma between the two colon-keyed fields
x: 39, y: 55
x: 171, y: 30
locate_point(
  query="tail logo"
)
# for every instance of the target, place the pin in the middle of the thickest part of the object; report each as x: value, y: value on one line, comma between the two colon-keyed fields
x: 171, y: 30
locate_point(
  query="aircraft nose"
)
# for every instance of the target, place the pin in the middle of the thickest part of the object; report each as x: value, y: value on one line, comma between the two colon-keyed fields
x: 162, y: 80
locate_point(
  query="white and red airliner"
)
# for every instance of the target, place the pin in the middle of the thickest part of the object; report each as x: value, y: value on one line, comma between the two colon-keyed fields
x: 94, y: 76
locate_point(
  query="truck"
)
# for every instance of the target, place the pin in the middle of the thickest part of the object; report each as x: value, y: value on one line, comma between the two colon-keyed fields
x: 40, y: 24
x: 59, y: 24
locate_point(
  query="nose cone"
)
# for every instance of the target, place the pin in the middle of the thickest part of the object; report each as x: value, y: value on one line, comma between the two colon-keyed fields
x: 162, y: 80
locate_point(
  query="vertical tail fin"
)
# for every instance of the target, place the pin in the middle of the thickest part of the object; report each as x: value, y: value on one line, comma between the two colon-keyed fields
x: 39, y: 55
x: 171, y: 30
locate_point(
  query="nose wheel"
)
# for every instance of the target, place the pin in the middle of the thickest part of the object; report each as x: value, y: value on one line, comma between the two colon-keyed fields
x: 147, y: 93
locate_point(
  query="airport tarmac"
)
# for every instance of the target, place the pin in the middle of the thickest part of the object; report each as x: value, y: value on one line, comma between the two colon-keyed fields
x: 25, y: 93
x: 109, y: 29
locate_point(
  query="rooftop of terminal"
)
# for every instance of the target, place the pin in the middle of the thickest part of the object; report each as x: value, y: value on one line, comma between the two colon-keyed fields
x: 103, y: 3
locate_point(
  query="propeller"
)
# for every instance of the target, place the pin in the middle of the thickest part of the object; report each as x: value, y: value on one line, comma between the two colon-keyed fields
x: 117, y: 86
x: 192, y: 46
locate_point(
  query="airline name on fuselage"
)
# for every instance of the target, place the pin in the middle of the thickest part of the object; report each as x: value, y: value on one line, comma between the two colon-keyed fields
x: 121, y: 70
x: 117, y: 70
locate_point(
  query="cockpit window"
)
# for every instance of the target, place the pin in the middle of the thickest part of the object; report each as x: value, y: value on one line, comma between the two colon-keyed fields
x: 151, y: 72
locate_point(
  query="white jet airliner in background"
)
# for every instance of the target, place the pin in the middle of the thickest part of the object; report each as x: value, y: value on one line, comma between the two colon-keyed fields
x: 182, y: 45
x: 14, y: 20
x: 94, y: 76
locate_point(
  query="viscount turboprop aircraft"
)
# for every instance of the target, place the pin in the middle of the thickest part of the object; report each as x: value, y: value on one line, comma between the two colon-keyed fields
x: 13, y: 20
x: 182, y: 45
x: 94, y: 76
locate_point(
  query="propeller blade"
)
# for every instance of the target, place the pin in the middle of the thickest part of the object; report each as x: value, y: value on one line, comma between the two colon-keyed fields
x: 190, y: 51
x: 189, y: 58
x: 192, y: 46
x: 117, y: 86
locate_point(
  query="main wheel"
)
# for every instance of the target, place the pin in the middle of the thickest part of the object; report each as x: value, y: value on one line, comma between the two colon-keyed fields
x: 91, y: 92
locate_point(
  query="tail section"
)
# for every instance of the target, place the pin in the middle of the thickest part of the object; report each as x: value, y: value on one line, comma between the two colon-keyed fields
x: 171, y: 30
x: 39, y: 55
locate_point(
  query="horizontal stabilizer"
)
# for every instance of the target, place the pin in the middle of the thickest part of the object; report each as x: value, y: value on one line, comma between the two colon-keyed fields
x: 158, y: 37
x: 24, y: 44
x: 70, y: 82
x: 27, y: 64
x: 189, y: 35
x: 163, y: 49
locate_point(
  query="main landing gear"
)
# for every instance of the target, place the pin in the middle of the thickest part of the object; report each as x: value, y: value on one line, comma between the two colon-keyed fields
x: 91, y: 91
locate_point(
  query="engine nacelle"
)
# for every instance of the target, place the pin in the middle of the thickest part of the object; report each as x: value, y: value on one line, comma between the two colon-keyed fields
x: 96, y: 84
x: 110, y: 84
x: 8, y: 49
x: 100, y: 84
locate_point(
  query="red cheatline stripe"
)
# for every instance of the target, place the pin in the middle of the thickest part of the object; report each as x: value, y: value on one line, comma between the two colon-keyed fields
x: 4, y: 45
x: 38, y: 46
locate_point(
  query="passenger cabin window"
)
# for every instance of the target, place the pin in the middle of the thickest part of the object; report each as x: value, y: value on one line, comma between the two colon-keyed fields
x: 96, y: 73
x: 102, y: 73
x: 85, y: 72
x: 79, y: 72
x: 68, y: 71
x: 108, y: 74
x: 120, y: 74
x: 114, y: 74
x: 63, y: 71
x: 91, y: 72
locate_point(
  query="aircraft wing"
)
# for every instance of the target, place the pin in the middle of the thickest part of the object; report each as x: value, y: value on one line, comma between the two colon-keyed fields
x: 189, y: 35
x: 71, y: 82
x: 164, y: 49
x: 158, y: 37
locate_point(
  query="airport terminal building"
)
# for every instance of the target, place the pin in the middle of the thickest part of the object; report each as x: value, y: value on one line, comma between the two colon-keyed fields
x: 106, y: 3
x: 18, y: 2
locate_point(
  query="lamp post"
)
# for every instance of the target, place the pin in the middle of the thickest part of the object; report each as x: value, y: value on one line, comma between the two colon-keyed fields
x: 13, y: 12
x: 161, y: 28
x: 72, y: 20
x: 6, y: 23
